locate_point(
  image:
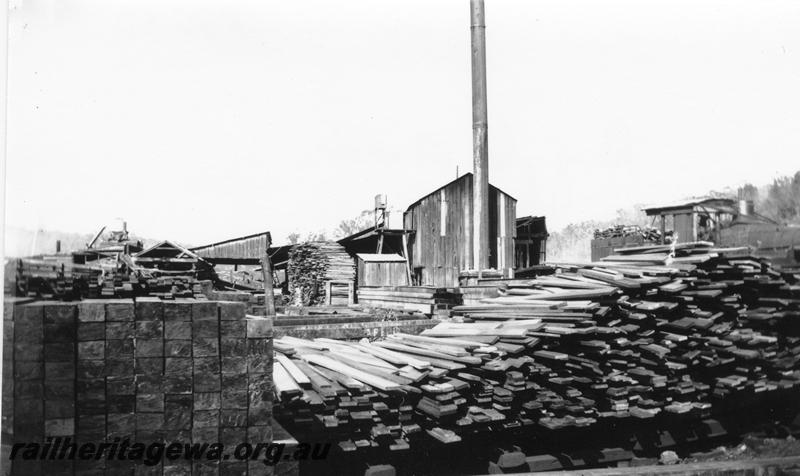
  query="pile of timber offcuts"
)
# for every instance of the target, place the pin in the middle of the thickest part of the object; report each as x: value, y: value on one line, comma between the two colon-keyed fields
x: 593, y: 344
x: 647, y: 233
x: 312, y: 264
x: 424, y: 299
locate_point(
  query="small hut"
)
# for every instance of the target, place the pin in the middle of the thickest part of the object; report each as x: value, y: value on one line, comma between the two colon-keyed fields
x: 381, y: 270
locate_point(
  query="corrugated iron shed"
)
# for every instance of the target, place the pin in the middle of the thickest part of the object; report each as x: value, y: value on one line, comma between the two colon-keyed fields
x: 248, y: 249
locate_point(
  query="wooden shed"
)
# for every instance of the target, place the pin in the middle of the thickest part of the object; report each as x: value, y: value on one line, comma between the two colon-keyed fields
x: 169, y: 257
x: 381, y: 270
x: 441, y: 246
x: 696, y: 219
x: 531, y: 242
x: 249, y: 249
x: 779, y: 243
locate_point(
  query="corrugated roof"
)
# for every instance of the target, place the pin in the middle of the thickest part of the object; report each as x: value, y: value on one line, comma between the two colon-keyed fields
x: 539, y: 224
x: 371, y: 232
x: 264, y: 234
x: 382, y: 258
x: 708, y: 201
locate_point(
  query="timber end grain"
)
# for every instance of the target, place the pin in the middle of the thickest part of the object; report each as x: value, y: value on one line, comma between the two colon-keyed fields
x: 147, y: 370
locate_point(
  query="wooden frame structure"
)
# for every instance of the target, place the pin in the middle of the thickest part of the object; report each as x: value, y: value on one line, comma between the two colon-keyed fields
x: 530, y: 244
x: 696, y: 219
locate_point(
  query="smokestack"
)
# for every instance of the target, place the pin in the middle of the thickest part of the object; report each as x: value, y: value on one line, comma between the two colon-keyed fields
x: 480, y: 137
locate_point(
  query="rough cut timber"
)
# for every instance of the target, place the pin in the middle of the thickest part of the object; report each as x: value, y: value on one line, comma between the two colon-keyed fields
x: 314, y: 264
x: 424, y: 299
x: 671, y: 344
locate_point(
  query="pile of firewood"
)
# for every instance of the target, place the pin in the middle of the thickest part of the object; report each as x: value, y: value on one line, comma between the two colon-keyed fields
x: 647, y: 233
x: 314, y: 263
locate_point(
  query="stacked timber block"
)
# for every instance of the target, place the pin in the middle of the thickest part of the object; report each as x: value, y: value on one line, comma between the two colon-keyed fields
x: 425, y: 299
x: 238, y: 296
x: 254, y: 301
x: 149, y: 371
x: 473, y: 294
x: 7, y: 426
x: 55, y: 278
x: 472, y: 277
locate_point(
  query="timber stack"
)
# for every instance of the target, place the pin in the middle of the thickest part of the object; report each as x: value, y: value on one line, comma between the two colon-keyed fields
x: 662, y: 334
x: 424, y: 299
x: 49, y: 279
x: 68, y: 281
x: 474, y: 294
x: 313, y: 264
x: 146, y: 370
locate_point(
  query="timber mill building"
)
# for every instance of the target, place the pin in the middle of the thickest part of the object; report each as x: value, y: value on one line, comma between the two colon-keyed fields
x: 441, y: 245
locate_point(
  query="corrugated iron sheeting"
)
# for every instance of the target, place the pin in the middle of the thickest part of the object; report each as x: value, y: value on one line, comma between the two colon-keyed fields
x: 252, y: 247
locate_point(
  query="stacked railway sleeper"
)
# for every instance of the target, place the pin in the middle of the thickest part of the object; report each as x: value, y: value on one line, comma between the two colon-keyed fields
x: 654, y: 338
x: 60, y: 280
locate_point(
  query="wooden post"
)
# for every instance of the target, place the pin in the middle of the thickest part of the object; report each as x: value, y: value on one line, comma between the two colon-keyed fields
x: 543, y: 252
x: 405, y: 255
x: 328, y: 293
x: 480, y: 137
x: 269, y: 295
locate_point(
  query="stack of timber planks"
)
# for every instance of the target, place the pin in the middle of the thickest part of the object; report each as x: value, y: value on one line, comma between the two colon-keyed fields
x: 314, y: 263
x: 47, y: 279
x: 424, y: 299
x: 50, y: 279
x: 472, y: 277
x: 594, y: 344
x: 474, y: 294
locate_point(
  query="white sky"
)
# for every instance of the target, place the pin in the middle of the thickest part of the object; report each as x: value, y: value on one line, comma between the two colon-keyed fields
x: 203, y: 120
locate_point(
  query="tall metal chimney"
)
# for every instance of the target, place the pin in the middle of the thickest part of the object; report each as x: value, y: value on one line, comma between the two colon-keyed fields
x: 480, y: 137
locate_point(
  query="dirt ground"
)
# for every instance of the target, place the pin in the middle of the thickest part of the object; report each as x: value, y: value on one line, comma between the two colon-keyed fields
x: 750, y: 448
